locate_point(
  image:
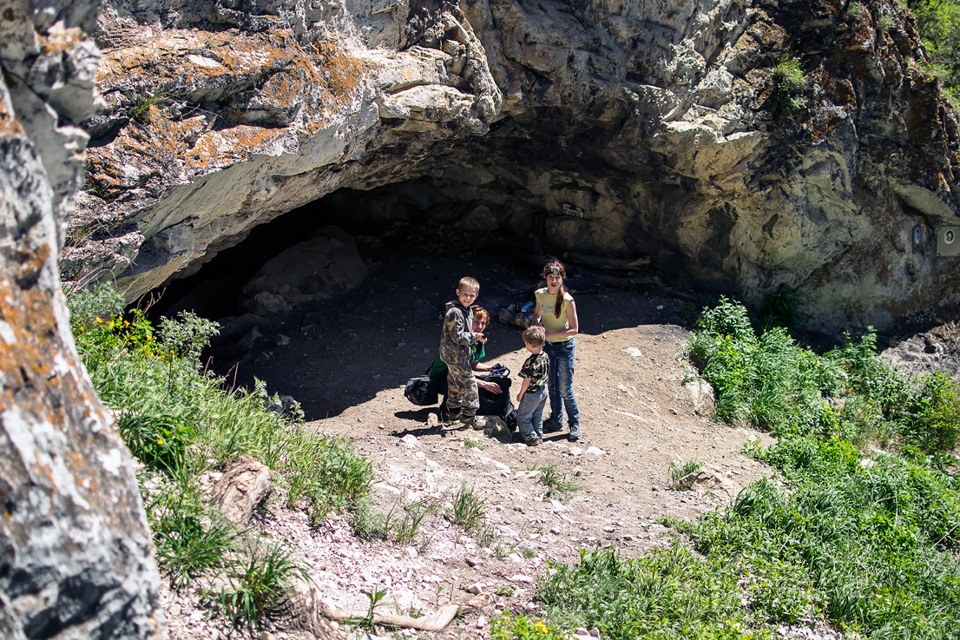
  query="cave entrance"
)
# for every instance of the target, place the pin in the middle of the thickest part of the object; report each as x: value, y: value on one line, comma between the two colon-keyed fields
x: 341, y: 298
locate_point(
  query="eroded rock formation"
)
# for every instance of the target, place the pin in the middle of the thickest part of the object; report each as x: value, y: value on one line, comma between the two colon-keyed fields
x: 75, y: 553
x: 633, y: 128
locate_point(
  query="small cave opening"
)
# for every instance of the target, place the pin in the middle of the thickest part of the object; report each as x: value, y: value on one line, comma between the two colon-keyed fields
x: 334, y: 302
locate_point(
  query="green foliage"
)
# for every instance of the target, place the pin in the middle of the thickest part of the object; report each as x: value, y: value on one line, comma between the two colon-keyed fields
x: 775, y: 384
x: 159, y: 441
x: 180, y: 421
x: 469, y: 510
x: 865, y: 545
x: 400, y: 523
x: 375, y: 600
x: 140, y: 110
x: 191, y: 538
x: 788, y: 75
x: 679, y: 469
x: 780, y: 309
x: 669, y: 593
x: 885, y: 23
x: 557, y: 484
x: 938, y: 22
x: 508, y: 627
x: 188, y: 335
x: 260, y: 585
x: 933, y: 418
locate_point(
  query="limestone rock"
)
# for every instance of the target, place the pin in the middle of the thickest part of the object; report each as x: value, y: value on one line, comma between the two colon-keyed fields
x: 243, y: 486
x: 577, y: 124
x: 316, y: 269
x: 74, y: 545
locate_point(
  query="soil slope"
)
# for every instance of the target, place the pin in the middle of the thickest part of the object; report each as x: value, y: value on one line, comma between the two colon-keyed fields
x: 347, y: 362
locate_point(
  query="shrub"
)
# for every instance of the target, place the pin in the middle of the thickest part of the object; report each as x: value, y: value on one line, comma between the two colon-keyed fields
x: 933, y: 418
x: 187, y: 336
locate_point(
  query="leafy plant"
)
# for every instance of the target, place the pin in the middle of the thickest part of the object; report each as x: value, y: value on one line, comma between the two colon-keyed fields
x: 680, y: 469
x: 788, y: 75
x: 510, y: 627
x: 159, y: 441
x: 557, y: 484
x: 375, y: 600
x: 260, y: 584
x: 469, y: 510
x: 190, y: 537
x: 140, y: 110
x: 933, y: 418
x: 188, y: 335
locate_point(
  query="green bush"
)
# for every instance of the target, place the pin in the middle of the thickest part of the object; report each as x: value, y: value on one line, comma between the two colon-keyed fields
x: 508, y: 627
x: 933, y: 418
x: 788, y: 76
x: 159, y: 441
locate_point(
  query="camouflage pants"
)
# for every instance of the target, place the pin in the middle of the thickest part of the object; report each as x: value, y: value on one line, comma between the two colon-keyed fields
x: 464, y: 397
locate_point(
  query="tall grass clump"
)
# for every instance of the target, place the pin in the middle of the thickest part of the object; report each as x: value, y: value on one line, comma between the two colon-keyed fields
x: 180, y: 421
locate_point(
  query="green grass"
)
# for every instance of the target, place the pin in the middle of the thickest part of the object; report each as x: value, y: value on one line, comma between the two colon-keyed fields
x: 181, y: 422
x: 681, y: 468
x: 468, y: 510
x: 259, y: 585
x: 556, y: 483
x: 863, y: 543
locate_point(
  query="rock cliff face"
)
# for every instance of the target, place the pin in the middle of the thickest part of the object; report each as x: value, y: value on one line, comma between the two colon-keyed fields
x: 75, y: 553
x: 748, y: 146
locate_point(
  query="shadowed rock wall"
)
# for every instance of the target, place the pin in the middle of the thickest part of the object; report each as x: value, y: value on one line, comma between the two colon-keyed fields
x: 665, y: 126
x: 75, y: 552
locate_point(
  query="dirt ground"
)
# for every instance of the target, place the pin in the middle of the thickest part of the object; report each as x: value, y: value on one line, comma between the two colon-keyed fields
x: 346, y: 362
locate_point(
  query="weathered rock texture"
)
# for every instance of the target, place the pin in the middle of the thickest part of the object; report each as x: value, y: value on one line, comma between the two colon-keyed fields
x: 663, y: 124
x: 75, y: 553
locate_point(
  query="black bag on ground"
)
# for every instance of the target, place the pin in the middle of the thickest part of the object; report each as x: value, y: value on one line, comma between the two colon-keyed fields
x: 421, y: 391
x: 498, y: 404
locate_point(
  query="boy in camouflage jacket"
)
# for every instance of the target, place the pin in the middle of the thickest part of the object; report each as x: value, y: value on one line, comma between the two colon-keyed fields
x: 456, y: 338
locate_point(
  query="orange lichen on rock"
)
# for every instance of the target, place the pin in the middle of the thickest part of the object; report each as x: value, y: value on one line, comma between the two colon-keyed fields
x: 59, y: 39
x: 9, y: 125
x: 236, y: 96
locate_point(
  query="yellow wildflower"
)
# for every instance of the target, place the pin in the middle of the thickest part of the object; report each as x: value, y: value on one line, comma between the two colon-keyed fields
x: 542, y: 628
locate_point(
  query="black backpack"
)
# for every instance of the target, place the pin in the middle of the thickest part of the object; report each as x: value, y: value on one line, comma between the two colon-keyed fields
x: 422, y: 391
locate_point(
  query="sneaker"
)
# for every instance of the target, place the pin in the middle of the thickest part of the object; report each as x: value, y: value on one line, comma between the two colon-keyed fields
x: 573, y: 438
x: 467, y: 420
x: 551, y: 426
x: 532, y: 442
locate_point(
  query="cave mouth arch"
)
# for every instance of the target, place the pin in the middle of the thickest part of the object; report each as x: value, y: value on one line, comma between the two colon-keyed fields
x: 414, y: 245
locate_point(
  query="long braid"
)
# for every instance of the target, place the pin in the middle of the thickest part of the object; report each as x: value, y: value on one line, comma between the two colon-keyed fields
x: 558, y: 305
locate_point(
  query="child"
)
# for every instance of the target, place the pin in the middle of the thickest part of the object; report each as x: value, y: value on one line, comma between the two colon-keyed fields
x: 557, y: 313
x: 456, y: 339
x: 533, y: 393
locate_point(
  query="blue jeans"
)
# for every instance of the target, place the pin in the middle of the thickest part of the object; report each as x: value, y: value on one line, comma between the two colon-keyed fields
x: 530, y: 414
x: 561, y: 356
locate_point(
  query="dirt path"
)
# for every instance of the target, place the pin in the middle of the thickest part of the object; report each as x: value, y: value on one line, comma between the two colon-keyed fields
x: 346, y: 363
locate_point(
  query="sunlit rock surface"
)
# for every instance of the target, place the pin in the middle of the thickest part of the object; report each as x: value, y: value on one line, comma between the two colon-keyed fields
x: 632, y: 128
x: 75, y: 553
